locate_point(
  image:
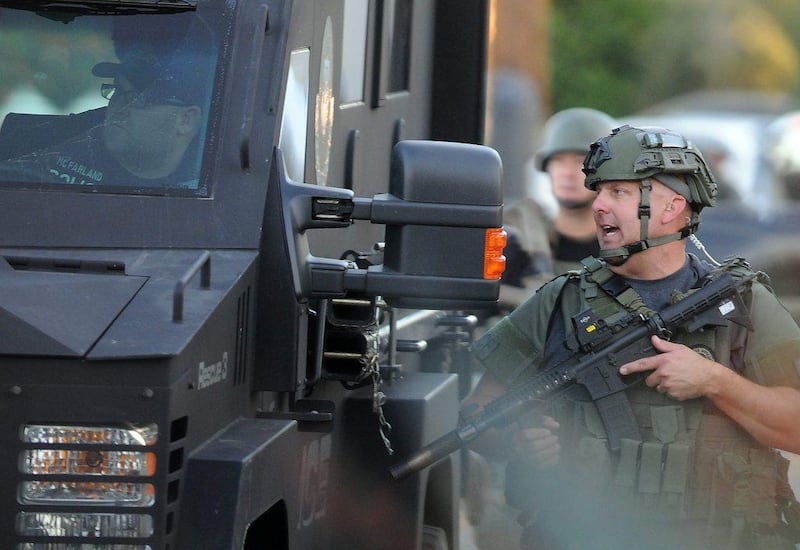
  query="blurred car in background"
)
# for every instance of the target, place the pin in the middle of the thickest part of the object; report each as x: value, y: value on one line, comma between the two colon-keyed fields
x: 781, y: 150
x: 731, y: 144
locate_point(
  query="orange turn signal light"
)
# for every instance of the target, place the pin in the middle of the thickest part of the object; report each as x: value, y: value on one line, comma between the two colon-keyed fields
x: 494, y: 263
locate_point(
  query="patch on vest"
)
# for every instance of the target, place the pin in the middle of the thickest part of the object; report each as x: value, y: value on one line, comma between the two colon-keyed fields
x: 704, y: 351
x: 485, y: 346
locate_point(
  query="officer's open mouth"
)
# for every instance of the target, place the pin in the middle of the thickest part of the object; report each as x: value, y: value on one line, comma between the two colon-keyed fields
x: 609, y: 229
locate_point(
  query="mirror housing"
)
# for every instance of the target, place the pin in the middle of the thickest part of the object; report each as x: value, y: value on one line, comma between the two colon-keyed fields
x: 443, y: 215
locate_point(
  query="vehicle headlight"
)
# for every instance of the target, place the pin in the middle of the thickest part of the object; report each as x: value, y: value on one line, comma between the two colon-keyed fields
x: 73, y: 524
x: 87, y: 465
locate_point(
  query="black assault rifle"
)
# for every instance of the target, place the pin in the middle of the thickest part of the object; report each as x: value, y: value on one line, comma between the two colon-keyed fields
x: 595, y: 366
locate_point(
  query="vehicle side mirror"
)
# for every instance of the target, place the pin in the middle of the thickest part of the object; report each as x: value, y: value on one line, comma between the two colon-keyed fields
x: 443, y: 239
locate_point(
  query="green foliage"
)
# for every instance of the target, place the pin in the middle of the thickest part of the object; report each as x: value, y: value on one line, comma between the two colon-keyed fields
x: 595, y: 58
x: 621, y: 56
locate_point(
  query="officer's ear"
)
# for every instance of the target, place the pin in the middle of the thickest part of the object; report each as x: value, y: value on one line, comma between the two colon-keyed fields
x: 674, y: 208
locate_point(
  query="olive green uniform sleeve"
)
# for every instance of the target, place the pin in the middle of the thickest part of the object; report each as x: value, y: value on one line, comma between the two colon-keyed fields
x: 527, y: 220
x: 513, y: 348
x: 772, y: 350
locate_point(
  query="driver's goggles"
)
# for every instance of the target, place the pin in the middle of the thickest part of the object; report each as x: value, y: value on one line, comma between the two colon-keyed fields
x: 134, y: 98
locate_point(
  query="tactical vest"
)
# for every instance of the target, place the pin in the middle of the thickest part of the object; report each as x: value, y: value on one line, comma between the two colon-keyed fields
x: 693, y: 462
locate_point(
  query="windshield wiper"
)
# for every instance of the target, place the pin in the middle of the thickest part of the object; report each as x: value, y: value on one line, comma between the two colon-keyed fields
x: 103, y: 7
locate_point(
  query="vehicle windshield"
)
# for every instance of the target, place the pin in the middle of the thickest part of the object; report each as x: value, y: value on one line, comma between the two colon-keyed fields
x: 101, y: 103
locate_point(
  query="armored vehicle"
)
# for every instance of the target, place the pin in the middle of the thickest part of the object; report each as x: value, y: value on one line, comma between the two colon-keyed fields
x: 239, y: 245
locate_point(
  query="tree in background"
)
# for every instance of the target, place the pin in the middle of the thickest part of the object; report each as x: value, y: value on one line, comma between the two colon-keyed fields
x: 622, y: 56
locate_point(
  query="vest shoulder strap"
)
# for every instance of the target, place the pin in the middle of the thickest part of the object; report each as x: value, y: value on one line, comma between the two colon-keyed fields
x: 617, y: 298
x: 739, y: 268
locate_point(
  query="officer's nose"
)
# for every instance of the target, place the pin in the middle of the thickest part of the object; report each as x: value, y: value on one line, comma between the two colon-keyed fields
x: 600, y: 204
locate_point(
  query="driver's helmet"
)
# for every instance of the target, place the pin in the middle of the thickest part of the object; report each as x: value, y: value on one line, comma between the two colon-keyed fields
x: 572, y: 131
x: 639, y: 153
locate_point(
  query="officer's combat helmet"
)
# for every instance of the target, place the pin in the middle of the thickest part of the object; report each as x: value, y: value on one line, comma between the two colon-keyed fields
x: 640, y: 154
x: 572, y: 131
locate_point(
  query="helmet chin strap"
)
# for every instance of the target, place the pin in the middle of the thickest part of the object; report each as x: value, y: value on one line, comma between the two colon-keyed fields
x: 618, y: 256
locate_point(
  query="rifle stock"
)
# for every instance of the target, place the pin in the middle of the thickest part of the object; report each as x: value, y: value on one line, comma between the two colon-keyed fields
x: 596, y: 368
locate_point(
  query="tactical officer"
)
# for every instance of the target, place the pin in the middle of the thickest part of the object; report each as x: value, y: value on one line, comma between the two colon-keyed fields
x: 712, y: 410
x: 571, y: 235
x: 566, y: 140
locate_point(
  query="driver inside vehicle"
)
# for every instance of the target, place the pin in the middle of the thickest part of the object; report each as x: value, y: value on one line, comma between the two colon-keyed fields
x: 148, y: 137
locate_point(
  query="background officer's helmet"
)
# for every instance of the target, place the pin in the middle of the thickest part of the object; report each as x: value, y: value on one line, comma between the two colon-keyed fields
x: 640, y: 153
x: 572, y: 131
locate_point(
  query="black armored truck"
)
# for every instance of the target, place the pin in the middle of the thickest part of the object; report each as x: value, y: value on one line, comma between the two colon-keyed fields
x: 240, y: 241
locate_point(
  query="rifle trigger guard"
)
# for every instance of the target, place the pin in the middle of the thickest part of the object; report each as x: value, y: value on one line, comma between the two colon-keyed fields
x: 660, y: 328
